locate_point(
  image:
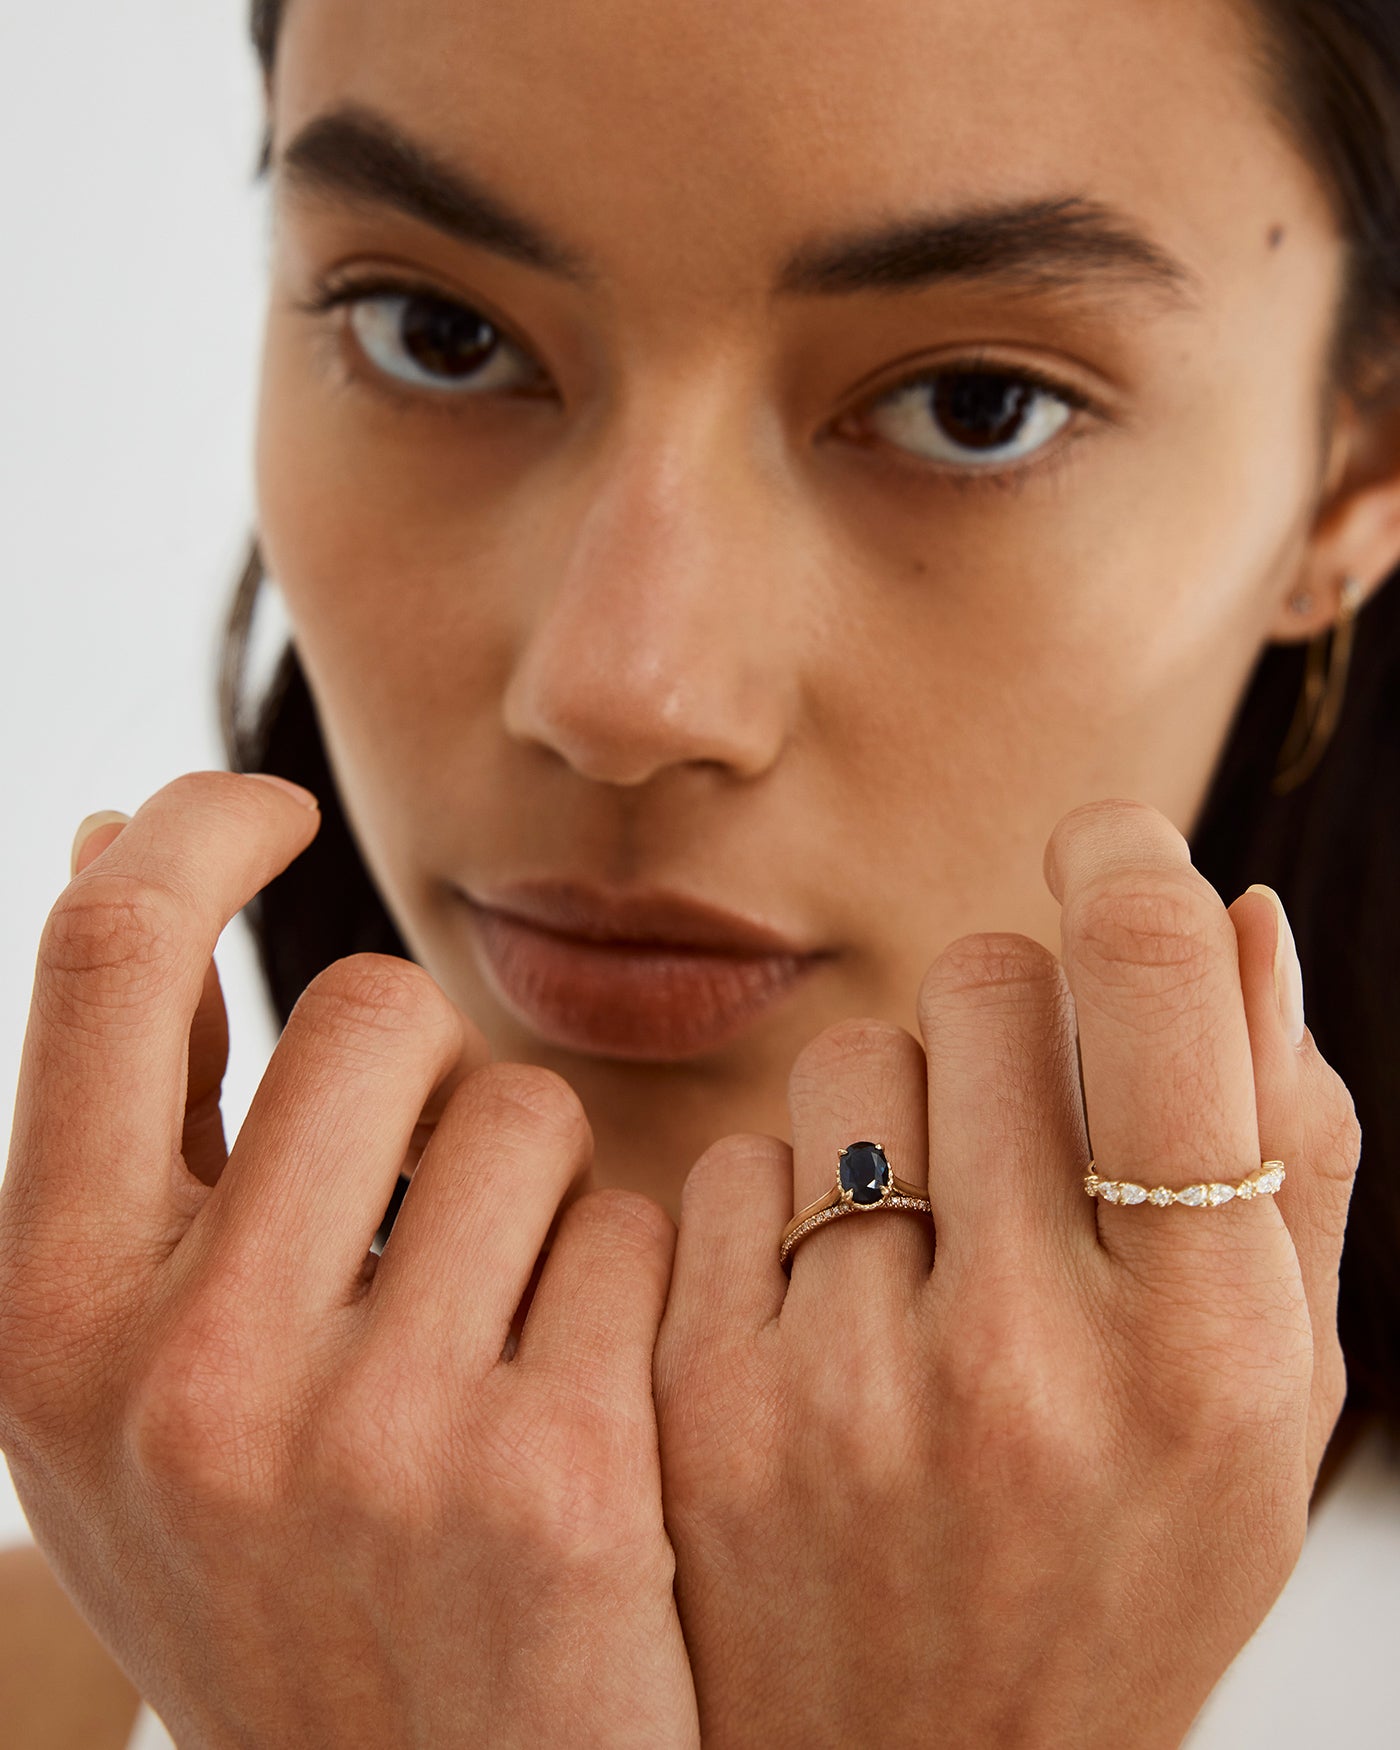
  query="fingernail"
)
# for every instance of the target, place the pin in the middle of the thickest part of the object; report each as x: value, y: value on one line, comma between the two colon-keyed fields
x: 86, y: 827
x: 1288, y: 974
x: 303, y: 796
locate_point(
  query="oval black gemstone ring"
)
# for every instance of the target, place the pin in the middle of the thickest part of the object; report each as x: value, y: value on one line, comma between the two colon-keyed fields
x: 864, y: 1181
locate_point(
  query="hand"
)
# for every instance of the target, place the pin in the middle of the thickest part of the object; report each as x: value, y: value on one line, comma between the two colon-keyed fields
x: 1038, y: 1489
x: 308, y: 1496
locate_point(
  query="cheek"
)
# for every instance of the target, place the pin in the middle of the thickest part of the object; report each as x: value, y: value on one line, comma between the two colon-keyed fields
x: 394, y: 632
x: 1151, y: 575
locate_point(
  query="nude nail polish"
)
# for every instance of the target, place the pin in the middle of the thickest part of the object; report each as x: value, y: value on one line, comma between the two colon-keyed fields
x: 1288, y: 974
x: 86, y: 827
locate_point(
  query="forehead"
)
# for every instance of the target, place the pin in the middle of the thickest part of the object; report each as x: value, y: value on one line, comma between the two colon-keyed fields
x: 712, y: 137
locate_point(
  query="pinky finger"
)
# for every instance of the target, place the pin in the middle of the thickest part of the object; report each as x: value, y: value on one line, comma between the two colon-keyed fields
x: 1306, y: 1119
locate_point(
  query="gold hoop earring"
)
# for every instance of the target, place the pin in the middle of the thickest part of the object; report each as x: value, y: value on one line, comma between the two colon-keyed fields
x: 1320, y: 702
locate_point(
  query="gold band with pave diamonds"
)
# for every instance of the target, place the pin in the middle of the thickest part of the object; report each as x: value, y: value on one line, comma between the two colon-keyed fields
x: 1262, y: 1183
x: 855, y: 1190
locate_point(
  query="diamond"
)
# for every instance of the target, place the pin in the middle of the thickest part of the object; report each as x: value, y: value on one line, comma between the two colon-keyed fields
x: 1217, y: 1194
x: 1194, y: 1195
x: 1130, y: 1193
x: 1161, y: 1196
x: 1108, y: 1190
x: 864, y: 1172
x: 1269, y: 1180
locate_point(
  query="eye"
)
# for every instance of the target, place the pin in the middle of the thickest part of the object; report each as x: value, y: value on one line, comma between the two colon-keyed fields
x: 976, y: 416
x: 427, y: 341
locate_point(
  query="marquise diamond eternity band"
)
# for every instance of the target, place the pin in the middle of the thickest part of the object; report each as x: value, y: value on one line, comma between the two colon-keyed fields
x: 1210, y: 1195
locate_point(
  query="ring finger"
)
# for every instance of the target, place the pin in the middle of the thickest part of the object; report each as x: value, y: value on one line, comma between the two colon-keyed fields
x: 860, y: 1080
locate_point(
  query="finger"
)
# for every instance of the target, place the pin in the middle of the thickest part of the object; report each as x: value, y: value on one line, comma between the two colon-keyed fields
x: 120, y: 970
x: 595, y: 1314
x: 372, y: 1041
x: 513, y: 1141
x: 860, y: 1080
x: 726, y: 1281
x: 1151, y: 959
x: 1306, y: 1116
x: 1007, y: 1141
x: 202, y: 1143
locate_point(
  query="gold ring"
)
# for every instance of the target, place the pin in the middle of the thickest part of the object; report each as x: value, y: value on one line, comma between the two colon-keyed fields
x: 1263, y: 1182
x: 864, y: 1181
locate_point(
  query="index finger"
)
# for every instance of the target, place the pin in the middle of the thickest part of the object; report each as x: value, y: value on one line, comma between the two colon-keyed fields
x: 100, y: 1106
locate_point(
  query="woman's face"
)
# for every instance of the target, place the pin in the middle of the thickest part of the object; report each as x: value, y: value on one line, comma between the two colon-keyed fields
x: 671, y: 552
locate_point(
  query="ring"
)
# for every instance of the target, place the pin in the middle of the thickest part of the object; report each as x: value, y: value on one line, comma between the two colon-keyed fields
x: 864, y: 1182
x: 1261, y: 1183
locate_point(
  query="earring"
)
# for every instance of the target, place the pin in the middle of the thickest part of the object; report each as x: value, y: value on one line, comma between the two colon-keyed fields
x: 1301, y: 603
x: 1320, y: 702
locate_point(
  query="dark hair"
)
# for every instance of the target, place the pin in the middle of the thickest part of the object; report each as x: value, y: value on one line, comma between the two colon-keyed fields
x: 1330, y: 848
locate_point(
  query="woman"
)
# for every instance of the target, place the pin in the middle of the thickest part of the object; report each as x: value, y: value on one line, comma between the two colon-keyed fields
x: 876, y: 474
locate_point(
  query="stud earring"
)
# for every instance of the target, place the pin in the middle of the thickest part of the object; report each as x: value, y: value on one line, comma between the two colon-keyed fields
x: 1324, y: 683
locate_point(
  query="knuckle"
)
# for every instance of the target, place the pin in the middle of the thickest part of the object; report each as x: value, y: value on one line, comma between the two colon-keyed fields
x: 528, y: 1099
x: 209, y: 786
x: 1242, y: 1395
x: 724, y: 1174
x: 977, y: 1375
x: 1028, y: 1449
x: 623, y: 1222
x: 555, y: 1474
x: 1003, y: 963
x: 365, y: 996
x: 53, y: 1341
x: 235, y: 796
x: 35, y: 1397
x: 865, y: 1418
x: 720, y: 1408
x: 197, y: 1434
x: 109, y: 938
x: 851, y: 1047
x: 1110, y: 808
x: 371, y: 1454
x: 1162, y: 925
x: 1106, y: 819
x: 1008, y: 1429
x: 1343, y: 1128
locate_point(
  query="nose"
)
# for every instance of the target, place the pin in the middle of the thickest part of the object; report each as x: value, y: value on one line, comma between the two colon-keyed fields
x: 661, y: 633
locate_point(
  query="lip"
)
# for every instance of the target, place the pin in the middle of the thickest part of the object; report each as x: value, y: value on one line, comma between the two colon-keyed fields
x: 647, y: 917
x: 650, y: 976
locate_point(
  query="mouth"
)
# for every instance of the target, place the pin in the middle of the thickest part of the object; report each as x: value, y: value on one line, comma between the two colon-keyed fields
x: 650, y: 977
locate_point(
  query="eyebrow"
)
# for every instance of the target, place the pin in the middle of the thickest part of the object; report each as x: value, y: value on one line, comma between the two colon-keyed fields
x: 356, y: 153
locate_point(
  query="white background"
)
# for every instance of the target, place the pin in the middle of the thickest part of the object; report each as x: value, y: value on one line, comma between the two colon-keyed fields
x: 131, y: 300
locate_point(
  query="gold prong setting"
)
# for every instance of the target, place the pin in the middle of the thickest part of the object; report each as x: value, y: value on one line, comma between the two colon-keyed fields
x: 1209, y: 1194
x: 843, y: 1199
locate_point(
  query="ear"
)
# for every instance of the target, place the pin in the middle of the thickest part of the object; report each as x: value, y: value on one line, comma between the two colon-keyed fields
x: 1356, y: 527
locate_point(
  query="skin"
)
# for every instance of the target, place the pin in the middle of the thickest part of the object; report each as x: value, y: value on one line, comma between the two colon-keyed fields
x: 553, y: 614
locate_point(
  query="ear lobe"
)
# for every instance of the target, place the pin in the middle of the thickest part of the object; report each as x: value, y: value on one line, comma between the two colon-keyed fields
x: 1356, y: 523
